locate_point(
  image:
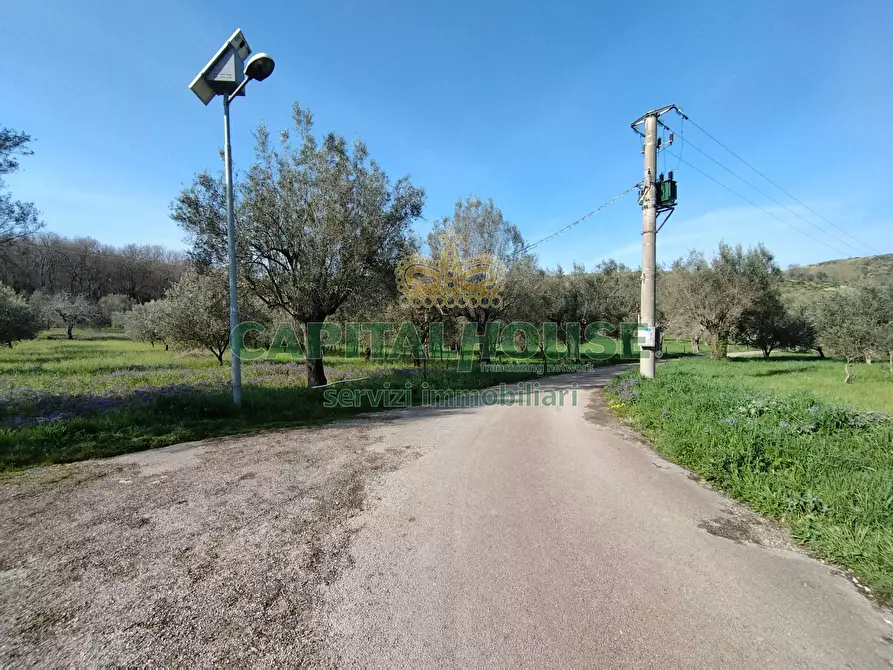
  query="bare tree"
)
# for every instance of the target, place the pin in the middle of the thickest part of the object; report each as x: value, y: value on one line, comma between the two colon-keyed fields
x: 53, y: 263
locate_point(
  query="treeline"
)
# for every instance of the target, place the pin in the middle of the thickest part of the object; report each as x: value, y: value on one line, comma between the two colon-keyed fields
x: 83, y: 266
x: 736, y: 296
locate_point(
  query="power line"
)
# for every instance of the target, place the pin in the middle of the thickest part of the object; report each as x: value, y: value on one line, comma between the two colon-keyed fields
x: 776, y: 185
x: 764, y: 194
x: 681, y: 137
x: 751, y: 202
x: 580, y: 220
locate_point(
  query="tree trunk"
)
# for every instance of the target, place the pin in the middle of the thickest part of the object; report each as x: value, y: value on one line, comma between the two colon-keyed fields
x: 485, y: 344
x: 696, y: 345
x: 766, y: 353
x: 891, y: 361
x: 868, y: 358
x: 718, y: 348
x: 316, y: 375
x: 821, y: 353
x: 848, y: 371
x: 219, y: 356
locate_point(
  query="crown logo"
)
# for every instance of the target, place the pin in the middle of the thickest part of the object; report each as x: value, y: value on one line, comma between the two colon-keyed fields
x: 448, y: 282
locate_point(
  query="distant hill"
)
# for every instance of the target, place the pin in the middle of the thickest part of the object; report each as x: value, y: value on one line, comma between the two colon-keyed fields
x: 844, y: 271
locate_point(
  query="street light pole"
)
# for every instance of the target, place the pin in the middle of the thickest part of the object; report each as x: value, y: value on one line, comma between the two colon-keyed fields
x: 225, y: 76
x: 231, y: 252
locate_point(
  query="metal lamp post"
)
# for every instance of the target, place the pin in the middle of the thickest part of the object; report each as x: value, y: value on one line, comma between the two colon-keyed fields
x: 225, y: 75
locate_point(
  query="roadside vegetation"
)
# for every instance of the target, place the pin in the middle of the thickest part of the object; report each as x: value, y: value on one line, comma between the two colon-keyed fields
x: 101, y: 394
x: 787, y: 438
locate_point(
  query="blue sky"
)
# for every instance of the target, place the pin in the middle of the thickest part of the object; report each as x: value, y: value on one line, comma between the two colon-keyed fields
x: 527, y: 103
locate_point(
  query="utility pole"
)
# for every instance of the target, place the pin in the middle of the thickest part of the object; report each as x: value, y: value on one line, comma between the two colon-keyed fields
x: 658, y: 195
x: 650, y: 200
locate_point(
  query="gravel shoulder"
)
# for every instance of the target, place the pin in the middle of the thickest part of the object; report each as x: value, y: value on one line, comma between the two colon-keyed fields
x: 209, y: 553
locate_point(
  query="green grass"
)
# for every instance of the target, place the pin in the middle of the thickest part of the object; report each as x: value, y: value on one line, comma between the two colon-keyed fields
x: 100, y: 395
x: 871, y: 389
x: 777, y: 435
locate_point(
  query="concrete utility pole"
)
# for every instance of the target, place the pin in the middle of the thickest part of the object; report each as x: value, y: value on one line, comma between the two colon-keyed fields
x: 649, y: 237
x: 657, y: 196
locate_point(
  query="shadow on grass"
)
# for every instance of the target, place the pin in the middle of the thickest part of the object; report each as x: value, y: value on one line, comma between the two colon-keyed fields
x: 103, y: 427
x: 782, y: 371
x: 776, y: 359
x: 36, y: 366
x: 87, y: 337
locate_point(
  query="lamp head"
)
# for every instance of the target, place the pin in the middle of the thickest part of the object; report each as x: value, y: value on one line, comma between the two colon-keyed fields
x: 259, y: 67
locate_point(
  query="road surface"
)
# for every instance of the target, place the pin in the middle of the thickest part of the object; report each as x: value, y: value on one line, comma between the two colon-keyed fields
x: 475, y: 536
x: 550, y: 537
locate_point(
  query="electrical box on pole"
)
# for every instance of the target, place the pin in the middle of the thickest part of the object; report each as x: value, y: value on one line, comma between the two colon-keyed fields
x: 666, y: 193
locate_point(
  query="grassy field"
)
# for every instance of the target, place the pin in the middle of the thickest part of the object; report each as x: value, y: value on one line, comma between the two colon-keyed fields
x: 101, y: 395
x: 789, y: 439
x: 871, y: 389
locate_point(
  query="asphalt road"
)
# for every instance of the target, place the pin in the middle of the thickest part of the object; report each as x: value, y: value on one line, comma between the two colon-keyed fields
x: 548, y: 536
x: 475, y: 536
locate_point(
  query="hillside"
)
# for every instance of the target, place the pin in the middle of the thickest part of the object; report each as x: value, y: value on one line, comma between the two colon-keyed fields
x: 845, y: 271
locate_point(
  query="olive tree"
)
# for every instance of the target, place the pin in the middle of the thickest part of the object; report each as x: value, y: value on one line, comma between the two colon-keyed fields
x: 17, y: 219
x: 18, y: 320
x: 478, y: 227
x: 768, y: 325
x: 715, y: 293
x: 853, y: 323
x: 319, y: 223
x: 145, y: 322
x: 110, y: 305
x: 68, y: 311
x: 195, y: 312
